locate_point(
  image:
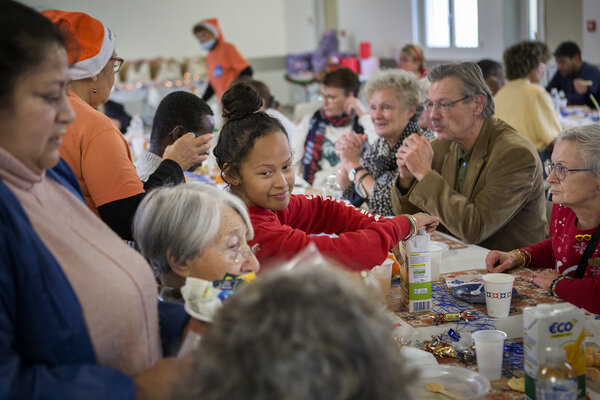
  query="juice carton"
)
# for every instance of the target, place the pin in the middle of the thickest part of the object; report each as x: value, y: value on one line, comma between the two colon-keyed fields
x: 419, y: 272
x: 553, y: 325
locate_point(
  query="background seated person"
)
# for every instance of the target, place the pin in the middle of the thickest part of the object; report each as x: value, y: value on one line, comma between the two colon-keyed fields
x: 315, y: 155
x: 224, y: 63
x: 575, y: 77
x: 93, y: 147
x: 395, y: 102
x: 78, y: 310
x: 177, y: 114
x: 481, y: 177
x: 271, y: 339
x: 193, y: 230
x: 523, y: 103
x: 255, y: 158
x: 574, y: 175
x: 492, y: 74
x: 412, y: 59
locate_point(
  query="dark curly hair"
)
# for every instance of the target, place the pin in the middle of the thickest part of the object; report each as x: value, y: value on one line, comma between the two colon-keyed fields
x: 522, y: 58
x: 244, y: 124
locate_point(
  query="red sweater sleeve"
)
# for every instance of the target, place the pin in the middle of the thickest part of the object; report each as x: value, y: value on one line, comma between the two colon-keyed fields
x: 584, y: 293
x: 363, y: 240
x: 542, y: 254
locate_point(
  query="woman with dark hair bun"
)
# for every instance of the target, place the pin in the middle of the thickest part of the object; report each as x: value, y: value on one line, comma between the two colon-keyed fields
x: 255, y: 158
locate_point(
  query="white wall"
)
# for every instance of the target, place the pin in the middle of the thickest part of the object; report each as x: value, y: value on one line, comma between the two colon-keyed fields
x: 386, y: 24
x: 147, y: 29
x: 591, y: 40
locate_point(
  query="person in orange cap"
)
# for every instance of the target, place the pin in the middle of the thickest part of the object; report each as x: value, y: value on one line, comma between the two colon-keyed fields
x: 223, y: 62
x: 93, y: 147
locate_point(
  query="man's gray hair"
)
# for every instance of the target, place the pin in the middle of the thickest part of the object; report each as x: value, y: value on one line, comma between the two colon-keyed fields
x: 404, y: 84
x: 181, y: 221
x: 304, y: 333
x: 472, y: 80
x: 587, y: 138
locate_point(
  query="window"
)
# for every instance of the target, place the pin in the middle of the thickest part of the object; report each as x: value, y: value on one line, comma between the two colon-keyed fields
x: 451, y: 23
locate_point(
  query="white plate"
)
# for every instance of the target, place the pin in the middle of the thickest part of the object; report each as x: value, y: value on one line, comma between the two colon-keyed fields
x: 462, y: 381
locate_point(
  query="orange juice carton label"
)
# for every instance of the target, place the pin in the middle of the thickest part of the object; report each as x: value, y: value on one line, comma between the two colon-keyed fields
x: 419, y: 272
x: 553, y: 325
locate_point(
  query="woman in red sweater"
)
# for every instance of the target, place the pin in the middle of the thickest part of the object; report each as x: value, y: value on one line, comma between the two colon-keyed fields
x: 574, y: 175
x: 255, y: 158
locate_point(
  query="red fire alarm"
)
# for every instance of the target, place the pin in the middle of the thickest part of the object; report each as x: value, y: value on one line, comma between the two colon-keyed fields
x: 591, y: 25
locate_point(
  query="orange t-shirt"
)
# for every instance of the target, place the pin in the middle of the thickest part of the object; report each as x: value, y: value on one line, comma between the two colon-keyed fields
x: 99, y: 156
x: 224, y: 64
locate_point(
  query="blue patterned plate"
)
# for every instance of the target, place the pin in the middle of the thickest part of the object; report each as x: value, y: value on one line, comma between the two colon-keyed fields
x: 463, y: 292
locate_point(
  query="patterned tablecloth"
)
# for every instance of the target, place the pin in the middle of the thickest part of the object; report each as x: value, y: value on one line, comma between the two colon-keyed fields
x: 528, y: 294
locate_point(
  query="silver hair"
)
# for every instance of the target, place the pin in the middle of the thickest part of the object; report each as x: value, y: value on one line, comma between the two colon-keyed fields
x: 304, y: 333
x: 587, y: 138
x: 472, y: 80
x: 182, y: 220
x: 405, y: 84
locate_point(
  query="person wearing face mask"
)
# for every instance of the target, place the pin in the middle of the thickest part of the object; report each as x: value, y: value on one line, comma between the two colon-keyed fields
x: 223, y: 61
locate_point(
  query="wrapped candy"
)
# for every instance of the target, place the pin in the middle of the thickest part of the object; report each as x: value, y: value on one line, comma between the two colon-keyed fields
x: 439, y: 348
x: 465, y: 315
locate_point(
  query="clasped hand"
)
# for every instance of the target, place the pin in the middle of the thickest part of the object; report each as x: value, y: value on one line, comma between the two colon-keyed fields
x: 414, y: 157
x: 349, y: 147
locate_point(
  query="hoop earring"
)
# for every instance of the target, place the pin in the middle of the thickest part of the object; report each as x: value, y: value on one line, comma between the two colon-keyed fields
x: 95, y: 90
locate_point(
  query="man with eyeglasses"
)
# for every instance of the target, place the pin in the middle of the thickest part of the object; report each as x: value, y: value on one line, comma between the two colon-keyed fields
x: 481, y: 177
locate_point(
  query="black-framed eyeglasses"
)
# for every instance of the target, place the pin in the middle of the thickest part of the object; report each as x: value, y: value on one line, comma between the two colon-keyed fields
x: 442, y: 107
x: 117, y: 63
x: 560, y: 170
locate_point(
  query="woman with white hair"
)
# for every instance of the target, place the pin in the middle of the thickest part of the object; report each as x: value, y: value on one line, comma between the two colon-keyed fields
x: 568, y: 261
x: 193, y: 230
x: 394, y: 98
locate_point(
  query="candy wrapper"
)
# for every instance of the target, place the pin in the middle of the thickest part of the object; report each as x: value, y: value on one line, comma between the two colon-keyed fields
x: 440, y: 347
x: 466, y: 315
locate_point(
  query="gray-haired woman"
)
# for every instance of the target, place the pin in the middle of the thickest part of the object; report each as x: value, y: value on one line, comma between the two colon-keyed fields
x: 305, y: 333
x: 193, y: 230
x: 394, y: 98
x: 574, y: 176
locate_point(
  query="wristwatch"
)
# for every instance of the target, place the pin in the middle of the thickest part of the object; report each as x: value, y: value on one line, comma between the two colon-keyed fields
x: 352, y: 173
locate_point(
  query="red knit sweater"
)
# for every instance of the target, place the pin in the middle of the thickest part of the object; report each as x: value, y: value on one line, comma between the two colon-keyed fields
x: 363, y: 240
x: 562, y: 251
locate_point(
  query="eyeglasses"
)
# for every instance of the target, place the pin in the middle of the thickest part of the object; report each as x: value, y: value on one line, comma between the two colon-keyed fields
x: 328, y: 97
x: 117, y: 63
x: 581, y: 238
x: 244, y: 252
x: 560, y: 170
x: 442, y: 107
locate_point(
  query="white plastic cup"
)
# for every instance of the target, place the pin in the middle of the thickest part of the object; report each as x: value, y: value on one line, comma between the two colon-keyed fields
x: 436, y: 260
x: 489, y: 347
x: 383, y: 274
x: 498, y: 293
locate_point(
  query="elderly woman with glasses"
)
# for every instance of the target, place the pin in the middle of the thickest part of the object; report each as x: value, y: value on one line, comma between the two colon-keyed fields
x: 567, y: 263
x: 93, y: 147
x: 367, y: 173
x: 193, y: 230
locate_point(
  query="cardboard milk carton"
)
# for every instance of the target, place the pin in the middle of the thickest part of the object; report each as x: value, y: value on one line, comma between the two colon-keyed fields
x: 419, y: 272
x: 553, y: 325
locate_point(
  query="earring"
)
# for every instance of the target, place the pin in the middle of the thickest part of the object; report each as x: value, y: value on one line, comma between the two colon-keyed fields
x: 95, y: 90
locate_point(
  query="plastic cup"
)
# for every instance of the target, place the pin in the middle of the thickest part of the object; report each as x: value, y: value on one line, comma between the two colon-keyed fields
x: 489, y: 347
x: 383, y: 274
x: 436, y: 260
x: 498, y: 293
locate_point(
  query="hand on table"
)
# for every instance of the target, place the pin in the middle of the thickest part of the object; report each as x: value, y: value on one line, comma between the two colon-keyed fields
x: 500, y: 261
x: 581, y: 86
x: 544, y: 278
x: 189, y: 150
x: 416, y: 154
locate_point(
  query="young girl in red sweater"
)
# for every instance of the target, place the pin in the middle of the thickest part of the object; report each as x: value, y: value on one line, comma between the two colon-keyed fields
x: 255, y: 158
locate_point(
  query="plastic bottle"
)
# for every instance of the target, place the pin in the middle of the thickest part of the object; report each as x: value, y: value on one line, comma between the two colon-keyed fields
x: 562, y: 102
x: 555, y: 99
x: 556, y: 379
x: 332, y: 188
